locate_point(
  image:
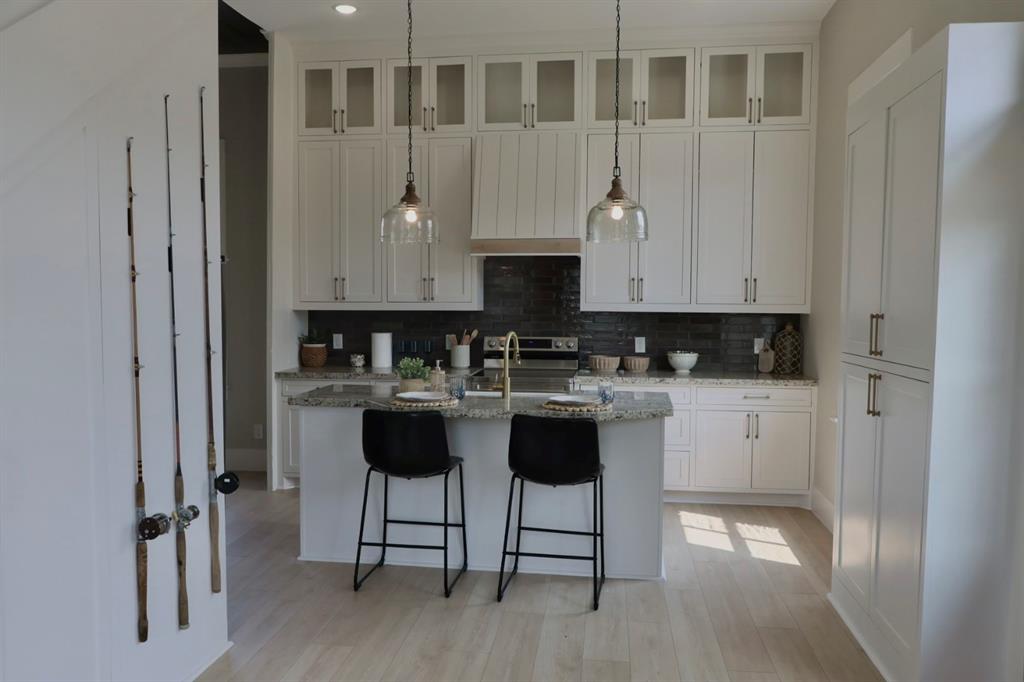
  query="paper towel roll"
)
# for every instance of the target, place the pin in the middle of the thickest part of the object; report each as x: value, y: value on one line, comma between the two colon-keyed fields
x: 380, y: 343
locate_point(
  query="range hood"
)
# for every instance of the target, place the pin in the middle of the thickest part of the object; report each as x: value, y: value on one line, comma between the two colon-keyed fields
x: 525, y: 189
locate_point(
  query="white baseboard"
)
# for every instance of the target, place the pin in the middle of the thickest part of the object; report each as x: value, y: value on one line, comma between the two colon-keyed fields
x: 823, y: 508
x: 245, y: 459
x: 760, y: 499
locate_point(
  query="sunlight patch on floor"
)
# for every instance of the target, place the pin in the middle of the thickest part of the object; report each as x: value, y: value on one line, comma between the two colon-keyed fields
x: 750, y: 531
x: 769, y: 551
x: 704, y: 521
x: 708, y: 538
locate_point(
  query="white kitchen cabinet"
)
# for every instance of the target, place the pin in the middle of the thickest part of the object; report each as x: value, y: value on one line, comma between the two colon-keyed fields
x: 525, y: 186
x: 677, y: 470
x: 724, y: 214
x: 340, y: 199
x: 865, y: 200
x: 753, y: 218
x: 539, y: 91
x: 756, y: 85
x: 781, y: 451
x: 336, y: 98
x: 723, y: 449
x: 657, y: 170
x: 655, y: 88
x: 442, y: 95
x: 779, y: 253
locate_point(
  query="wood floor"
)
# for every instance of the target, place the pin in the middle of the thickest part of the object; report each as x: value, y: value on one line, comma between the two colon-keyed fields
x: 743, y: 601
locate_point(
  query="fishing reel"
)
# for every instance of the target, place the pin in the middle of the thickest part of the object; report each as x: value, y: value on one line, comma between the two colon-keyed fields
x: 184, y: 516
x: 152, y: 527
x: 226, y: 483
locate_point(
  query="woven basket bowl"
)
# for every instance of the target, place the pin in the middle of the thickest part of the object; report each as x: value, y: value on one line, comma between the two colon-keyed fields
x: 313, y: 356
x: 636, y: 363
x: 604, y: 363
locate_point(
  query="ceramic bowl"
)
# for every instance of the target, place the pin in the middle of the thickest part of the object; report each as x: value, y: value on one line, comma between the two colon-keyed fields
x: 636, y: 363
x: 681, y: 361
x: 604, y: 363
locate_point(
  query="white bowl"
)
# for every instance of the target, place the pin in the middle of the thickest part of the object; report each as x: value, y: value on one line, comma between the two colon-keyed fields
x: 682, y: 362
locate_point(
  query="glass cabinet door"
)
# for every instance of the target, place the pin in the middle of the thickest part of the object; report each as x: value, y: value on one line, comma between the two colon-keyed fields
x: 783, y: 84
x: 667, y: 88
x: 602, y: 89
x: 318, y: 98
x: 450, y: 98
x: 554, y: 100
x: 359, y: 85
x: 398, y: 105
x: 503, y: 92
x: 727, y: 86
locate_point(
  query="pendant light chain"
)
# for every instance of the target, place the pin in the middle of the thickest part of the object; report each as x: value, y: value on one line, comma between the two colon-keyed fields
x: 409, y: 176
x: 616, y: 171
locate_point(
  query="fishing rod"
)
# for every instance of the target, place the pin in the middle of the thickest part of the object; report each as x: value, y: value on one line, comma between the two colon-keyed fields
x: 183, y: 515
x: 146, y: 527
x: 227, y: 482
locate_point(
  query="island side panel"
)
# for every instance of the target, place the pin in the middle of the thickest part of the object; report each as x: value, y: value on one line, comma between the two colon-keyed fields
x: 334, y: 472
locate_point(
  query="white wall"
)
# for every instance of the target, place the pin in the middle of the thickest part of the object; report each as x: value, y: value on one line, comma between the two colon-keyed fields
x: 853, y: 35
x: 78, y: 79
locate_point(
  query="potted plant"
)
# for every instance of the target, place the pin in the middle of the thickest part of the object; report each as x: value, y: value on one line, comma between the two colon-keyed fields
x: 412, y: 375
x: 313, y: 349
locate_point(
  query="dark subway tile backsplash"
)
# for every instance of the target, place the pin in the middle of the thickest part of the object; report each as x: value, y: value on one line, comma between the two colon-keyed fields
x: 540, y: 296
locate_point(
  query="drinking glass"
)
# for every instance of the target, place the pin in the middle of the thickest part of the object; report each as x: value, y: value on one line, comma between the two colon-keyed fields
x: 606, y: 389
x: 457, y: 387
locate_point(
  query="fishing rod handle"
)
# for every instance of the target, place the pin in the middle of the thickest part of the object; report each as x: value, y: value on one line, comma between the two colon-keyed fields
x: 214, y: 546
x: 182, y: 583
x: 141, y: 581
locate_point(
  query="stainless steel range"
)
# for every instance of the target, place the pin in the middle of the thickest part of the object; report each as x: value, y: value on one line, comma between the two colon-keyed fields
x: 547, y: 364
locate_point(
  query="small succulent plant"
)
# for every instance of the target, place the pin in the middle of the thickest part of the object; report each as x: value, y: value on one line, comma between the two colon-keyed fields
x: 413, y: 368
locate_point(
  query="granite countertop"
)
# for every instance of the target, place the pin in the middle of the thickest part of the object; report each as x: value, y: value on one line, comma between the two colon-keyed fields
x: 695, y: 378
x: 627, y: 406
x: 346, y: 373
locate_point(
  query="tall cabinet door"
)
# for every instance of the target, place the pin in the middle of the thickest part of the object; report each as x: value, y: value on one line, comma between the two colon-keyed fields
x: 666, y: 191
x: 724, y: 210
x: 855, y: 513
x: 722, y: 458
x: 359, y: 85
x: 407, y: 263
x: 666, y: 99
x: 503, y: 92
x: 611, y: 275
x: 361, y: 202
x: 906, y: 334
x: 451, y: 101
x: 601, y: 94
x: 865, y: 200
x: 398, y: 95
x: 451, y: 192
x: 781, y: 187
x: 318, y: 98
x: 902, y: 465
x: 318, y: 222
x: 727, y: 86
x: 783, y: 85
x: 555, y: 90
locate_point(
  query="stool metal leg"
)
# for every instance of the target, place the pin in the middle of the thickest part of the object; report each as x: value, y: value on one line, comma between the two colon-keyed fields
x: 384, y: 535
x: 595, y: 545
x: 356, y: 581
x: 447, y: 590
x: 519, y: 526
x: 600, y: 487
x: 462, y: 505
x: 504, y: 545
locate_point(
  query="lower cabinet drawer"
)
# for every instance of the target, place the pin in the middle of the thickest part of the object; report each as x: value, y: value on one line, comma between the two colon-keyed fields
x: 754, y: 396
x: 677, y: 469
x: 677, y: 428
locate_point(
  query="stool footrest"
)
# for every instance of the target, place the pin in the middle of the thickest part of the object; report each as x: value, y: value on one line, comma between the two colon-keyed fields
x: 396, y: 545
x: 536, y: 529
x: 423, y: 523
x: 551, y: 556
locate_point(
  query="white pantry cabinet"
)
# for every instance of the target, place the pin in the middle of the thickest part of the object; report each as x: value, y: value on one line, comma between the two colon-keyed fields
x: 442, y: 95
x: 340, y: 199
x: 533, y: 91
x: 657, y: 170
x: 753, y: 224
x: 752, y: 86
x: 925, y: 572
x: 655, y: 88
x: 336, y: 98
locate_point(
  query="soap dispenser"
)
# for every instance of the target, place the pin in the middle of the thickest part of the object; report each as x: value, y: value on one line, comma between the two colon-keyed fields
x: 437, y: 378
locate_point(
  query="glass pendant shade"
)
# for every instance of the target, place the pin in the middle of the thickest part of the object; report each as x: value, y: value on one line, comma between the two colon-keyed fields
x: 409, y: 221
x: 617, y: 218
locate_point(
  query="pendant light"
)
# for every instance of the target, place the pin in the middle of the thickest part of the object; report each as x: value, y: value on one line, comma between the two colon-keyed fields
x: 410, y: 221
x: 617, y: 218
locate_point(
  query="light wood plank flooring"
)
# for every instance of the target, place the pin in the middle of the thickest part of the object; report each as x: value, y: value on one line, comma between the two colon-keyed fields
x: 743, y: 600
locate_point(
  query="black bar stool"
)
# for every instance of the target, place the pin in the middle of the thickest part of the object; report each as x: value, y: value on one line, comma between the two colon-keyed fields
x: 409, y: 445
x: 554, y: 451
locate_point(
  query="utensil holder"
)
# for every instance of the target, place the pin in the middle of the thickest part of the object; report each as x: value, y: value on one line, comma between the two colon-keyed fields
x: 460, y: 357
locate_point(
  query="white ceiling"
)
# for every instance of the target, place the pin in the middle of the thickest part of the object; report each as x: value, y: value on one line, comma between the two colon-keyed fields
x: 384, y: 19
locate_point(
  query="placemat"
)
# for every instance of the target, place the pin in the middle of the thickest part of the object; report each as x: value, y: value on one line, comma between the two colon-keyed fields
x: 606, y: 407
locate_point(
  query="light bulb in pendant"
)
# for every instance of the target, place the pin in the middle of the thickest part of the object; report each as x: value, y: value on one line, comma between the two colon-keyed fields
x: 617, y: 213
x: 410, y: 215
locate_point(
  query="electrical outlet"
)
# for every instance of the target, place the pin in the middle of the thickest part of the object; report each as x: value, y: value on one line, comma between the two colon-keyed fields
x: 257, y: 431
x: 758, y: 344
x: 640, y: 344
x: 447, y: 343
x: 339, y: 342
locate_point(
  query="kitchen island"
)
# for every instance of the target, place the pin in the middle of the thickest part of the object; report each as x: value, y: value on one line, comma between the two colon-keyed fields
x: 329, y: 438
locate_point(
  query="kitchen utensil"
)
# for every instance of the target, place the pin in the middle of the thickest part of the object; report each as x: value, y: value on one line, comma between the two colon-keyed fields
x: 682, y: 361
x: 636, y: 363
x: 421, y: 396
x: 473, y: 334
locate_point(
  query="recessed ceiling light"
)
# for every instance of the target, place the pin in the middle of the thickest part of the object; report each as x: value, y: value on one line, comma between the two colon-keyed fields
x: 345, y: 9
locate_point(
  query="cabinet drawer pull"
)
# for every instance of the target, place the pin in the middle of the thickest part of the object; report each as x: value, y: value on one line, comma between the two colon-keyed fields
x: 632, y: 288
x: 634, y: 113
x: 753, y: 298
x: 641, y: 296
x: 334, y: 121
x: 757, y: 425
x: 748, y: 396
x: 335, y: 288
x: 533, y: 115
x: 748, y: 426
x: 424, y: 119
x: 342, y: 121
x: 759, y: 108
x: 878, y: 323
x: 525, y: 124
x: 643, y: 115
x: 873, y: 380
x: 871, y: 334
x: 423, y: 288
x: 433, y: 288
x: 746, y: 290
x: 750, y: 110
x: 433, y: 118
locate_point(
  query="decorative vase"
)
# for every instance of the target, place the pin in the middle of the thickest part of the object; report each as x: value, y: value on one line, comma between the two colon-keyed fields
x: 789, y: 350
x: 407, y: 385
x: 313, y: 354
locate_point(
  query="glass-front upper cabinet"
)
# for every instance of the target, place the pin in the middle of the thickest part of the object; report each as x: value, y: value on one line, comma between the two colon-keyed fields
x: 783, y: 84
x: 655, y: 88
x: 727, y: 85
x: 441, y: 94
x: 336, y: 98
x: 756, y: 86
x: 518, y: 92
